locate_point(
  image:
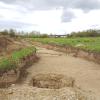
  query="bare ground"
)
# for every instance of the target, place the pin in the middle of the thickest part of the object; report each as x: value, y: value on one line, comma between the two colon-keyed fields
x: 85, y: 73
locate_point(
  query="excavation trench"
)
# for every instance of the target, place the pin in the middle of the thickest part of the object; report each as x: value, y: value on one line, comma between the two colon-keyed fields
x: 52, y: 81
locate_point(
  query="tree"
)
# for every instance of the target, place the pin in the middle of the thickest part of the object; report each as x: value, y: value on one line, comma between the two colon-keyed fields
x: 4, y: 32
x: 12, y: 33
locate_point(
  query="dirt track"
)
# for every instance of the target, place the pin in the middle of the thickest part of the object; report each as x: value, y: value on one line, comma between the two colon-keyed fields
x: 85, y: 73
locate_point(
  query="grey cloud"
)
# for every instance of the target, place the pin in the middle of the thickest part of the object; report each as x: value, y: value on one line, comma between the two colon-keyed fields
x: 14, y: 24
x: 50, y: 4
x: 31, y: 5
x: 87, y: 5
x: 67, y: 16
x: 14, y: 7
x: 9, y: 1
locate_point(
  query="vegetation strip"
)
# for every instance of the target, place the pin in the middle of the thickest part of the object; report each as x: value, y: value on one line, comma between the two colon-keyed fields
x: 15, y: 58
x: 88, y: 43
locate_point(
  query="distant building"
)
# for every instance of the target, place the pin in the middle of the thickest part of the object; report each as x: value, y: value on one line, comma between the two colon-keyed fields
x: 57, y: 36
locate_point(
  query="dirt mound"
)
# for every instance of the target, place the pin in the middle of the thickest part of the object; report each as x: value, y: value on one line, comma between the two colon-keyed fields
x: 8, y: 45
x: 32, y: 93
x: 4, y: 42
x: 52, y: 81
x: 46, y: 87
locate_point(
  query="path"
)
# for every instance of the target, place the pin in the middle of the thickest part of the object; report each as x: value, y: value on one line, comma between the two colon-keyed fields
x: 86, y: 73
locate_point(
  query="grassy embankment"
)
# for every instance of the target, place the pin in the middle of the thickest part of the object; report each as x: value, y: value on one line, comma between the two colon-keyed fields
x: 88, y: 43
x: 11, y: 62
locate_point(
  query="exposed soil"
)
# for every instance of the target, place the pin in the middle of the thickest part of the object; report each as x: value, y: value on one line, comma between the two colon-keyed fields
x: 52, y: 81
x: 17, y: 75
x: 8, y: 45
x: 34, y: 93
x: 73, y: 51
x: 85, y: 73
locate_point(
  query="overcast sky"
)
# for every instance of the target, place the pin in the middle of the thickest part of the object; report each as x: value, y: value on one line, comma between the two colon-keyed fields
x: 50, y: 16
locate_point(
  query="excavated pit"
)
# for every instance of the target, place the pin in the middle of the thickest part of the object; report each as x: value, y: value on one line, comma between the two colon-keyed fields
x: 52, y: 81
x: 46, y: 87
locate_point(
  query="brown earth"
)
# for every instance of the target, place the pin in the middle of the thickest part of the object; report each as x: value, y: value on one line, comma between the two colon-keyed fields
x: 73, y: 51
x: 8, y: 45
x: 52, y: 81
x: 85, y: 73
x: 16, y: 75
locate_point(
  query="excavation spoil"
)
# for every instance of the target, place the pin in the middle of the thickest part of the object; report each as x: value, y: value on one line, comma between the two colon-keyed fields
x: 52, y: 81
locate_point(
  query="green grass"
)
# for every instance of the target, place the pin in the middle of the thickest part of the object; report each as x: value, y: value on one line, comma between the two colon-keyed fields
x: 17, y: 55
x: 11, y: 62
x: 7, y: 64
x: 88, y: 43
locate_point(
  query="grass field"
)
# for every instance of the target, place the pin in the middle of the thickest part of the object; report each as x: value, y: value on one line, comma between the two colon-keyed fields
x: 11, y: 62
x: 88, y: 43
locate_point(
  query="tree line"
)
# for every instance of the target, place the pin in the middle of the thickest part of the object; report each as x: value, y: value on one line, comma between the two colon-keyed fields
x: 87, y: 33
x: 36, y: 34
x: 14, y: 33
